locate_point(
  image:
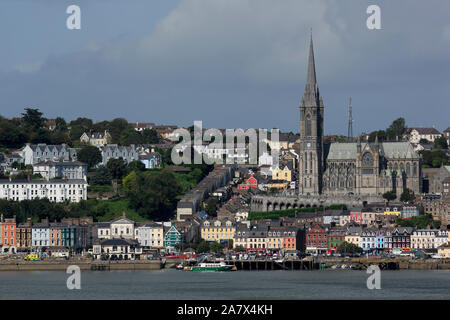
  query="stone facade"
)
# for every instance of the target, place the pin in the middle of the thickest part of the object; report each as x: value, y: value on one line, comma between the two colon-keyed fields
x: 351, y: 168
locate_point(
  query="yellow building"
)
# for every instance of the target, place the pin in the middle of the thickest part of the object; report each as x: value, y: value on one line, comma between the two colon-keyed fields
x: 218, y: 230
x: 283, y: 173
x: 353, y: 236
x: 444, y: 250
x: 392, y: 211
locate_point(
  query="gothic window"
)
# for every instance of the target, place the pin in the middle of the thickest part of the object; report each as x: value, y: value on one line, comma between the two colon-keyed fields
x: 350, y: 182
x: 367, y: 159
x: 306, y: 161
x: 310, y: 162
x: 408, y: 169
x: 308, y: 126
x: 402, y: 167
x: 415, y: 169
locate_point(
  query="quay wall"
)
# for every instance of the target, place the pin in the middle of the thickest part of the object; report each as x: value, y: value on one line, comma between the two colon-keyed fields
x: 54, y: 266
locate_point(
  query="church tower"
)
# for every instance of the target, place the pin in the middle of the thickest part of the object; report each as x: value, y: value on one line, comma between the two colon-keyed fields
x: 311, y: 133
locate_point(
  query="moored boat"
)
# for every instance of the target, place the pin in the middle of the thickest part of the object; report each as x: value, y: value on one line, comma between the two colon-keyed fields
x: 213, y: 267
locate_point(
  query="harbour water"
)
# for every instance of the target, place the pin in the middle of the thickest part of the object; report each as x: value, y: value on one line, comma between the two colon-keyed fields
x: 171, y: 284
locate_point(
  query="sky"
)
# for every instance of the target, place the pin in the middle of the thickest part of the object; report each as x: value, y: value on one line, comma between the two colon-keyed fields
x: 228, y: 63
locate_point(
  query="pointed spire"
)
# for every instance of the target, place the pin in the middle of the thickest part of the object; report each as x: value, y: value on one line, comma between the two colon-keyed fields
x: 311, y: 77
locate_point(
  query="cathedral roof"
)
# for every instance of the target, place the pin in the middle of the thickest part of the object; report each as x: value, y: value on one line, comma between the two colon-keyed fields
x: 391, y: 150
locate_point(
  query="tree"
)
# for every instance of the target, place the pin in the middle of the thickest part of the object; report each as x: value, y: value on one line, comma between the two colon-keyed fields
x: 116, y: 127
x: 130, y: 136
x: 152, y: 194
x: 135, y: 166
x: 407, y: 195
x: 60, y: 124
x: 397, y: 129
x: 102, y: 176
x: 116, y: 167
x: 203, y: 247
x: 79, y: 126
x: 33, y: 119
x: 150, y: 136
x: 216, y: 247
x: 347, y: 247
x: 390, y: 195
x: 211, y: 207
x: 90, y: 155
x: 424, y: 141
x: 441, y: 143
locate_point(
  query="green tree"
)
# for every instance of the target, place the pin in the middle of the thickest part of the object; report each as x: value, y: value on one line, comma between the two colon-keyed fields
x: 211, y: 207
x: 407, y: 195
x: 33, y: 119
x: 102, y: 176
x: 396, y: 129
x: 390, y: 195
x: 150, y: 136
x: 60, y: 124
x: 116, y: 127
x: 347, y: 247
x: 441, y: 143
x: 79, y: 126
x: 135, y: 166
x: 216, y: 247
x: 203, y: 247
x: 116, y: 167
x: 90, y: 155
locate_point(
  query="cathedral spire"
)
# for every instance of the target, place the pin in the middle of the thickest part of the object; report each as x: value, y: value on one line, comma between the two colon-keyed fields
x: 311, y: 77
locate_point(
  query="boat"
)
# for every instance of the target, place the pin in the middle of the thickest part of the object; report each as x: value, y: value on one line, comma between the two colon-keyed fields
x: 213, y: 267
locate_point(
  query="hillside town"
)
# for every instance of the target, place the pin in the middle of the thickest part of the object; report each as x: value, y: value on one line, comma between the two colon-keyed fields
x: 110, y: 190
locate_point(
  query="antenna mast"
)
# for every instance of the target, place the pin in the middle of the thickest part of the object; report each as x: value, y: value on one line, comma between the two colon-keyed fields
x: 350, y: 121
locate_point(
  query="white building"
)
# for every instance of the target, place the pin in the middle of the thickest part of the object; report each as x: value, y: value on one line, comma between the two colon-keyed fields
x: 150, y: 235
x: 42, y: 152
x: 62, y: 170
x: 430, y: 134
x: 119, y: 228
x: 54, y: 190
x: 40, y: 236
x: 113, y: 151
x: 423, y: 239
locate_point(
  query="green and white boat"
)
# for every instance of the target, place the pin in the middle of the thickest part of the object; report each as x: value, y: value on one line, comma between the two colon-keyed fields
x: 213, y: 267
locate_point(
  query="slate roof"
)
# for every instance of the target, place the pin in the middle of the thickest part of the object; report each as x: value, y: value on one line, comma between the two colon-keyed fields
x: 425, y: 130
x: 348, y: 150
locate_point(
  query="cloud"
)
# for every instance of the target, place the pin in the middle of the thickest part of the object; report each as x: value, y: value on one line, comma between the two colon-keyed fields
x: 242, y: 63
x: 28, y: 68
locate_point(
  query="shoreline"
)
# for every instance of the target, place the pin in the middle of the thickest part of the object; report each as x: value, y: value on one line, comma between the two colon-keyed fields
x: 242, y: 265
x: 83, y: 265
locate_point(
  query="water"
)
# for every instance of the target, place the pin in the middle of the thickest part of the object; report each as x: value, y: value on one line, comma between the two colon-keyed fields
x: 177, y: 285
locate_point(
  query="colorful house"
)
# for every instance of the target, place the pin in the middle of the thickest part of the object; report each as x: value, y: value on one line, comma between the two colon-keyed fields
x: 8, y: 230
x: 251, y: 182
x: 317, y: 239
x: 171, y: 238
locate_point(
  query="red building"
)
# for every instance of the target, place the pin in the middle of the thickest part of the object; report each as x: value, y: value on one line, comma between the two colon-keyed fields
x: 335, y: 238
x: 8, y: 230
x: 356, y: 216
x: 251, y: 182
x: 317, y: 239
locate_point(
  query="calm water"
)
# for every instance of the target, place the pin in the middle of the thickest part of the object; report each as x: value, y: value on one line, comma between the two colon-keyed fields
x: 172, y: 284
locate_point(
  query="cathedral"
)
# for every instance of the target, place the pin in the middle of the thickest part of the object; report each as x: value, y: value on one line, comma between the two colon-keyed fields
x: 349, y: 168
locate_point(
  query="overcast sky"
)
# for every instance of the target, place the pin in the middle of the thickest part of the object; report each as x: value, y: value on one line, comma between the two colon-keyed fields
x: 230, y: 63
